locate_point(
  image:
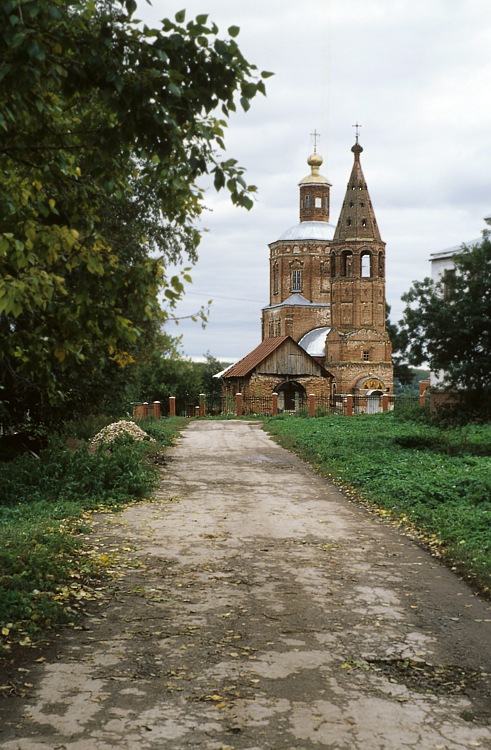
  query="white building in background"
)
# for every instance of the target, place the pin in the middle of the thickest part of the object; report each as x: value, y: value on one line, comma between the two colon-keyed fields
x: 441, y: 263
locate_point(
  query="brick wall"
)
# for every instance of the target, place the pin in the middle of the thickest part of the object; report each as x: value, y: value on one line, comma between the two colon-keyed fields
x: 260, y: 385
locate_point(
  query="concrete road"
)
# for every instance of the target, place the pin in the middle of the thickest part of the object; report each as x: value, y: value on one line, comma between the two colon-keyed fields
x: 255, y: 607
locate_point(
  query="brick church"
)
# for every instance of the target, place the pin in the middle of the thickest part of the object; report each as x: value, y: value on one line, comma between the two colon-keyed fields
x: 323, y: 331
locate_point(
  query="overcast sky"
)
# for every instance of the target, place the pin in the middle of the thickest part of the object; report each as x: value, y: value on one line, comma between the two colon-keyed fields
x: 415, y: 73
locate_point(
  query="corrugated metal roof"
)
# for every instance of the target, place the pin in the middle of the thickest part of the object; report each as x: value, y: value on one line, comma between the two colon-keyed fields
x: 251, y: 360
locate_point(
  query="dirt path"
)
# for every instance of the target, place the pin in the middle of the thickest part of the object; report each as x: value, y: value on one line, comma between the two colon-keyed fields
x: 261, y: 609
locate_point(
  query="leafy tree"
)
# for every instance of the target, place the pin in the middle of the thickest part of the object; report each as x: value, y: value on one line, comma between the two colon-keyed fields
x: 448, y: 323
x: 164, y: 371
x: 402, y: 371
x: 210, y: 385
x: 106, y: 127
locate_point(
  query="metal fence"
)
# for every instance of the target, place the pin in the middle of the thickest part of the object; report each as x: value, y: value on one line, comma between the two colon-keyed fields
x: 346, y: 405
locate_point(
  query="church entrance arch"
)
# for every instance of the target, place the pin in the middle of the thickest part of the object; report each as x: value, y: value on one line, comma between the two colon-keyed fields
x: 373, y: 401
x: 291, y: 396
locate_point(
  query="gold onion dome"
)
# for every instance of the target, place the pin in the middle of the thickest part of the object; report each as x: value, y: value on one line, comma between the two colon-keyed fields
x: 314, y: 161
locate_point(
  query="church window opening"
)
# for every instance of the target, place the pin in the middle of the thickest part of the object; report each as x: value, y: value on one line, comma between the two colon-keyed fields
x: 347, y: 263
x: 333, y: 264
x: 308, y: 201
x: 318, y: 202
x: 351, y: 204
x: 363, y: 222
x: 326, y: 202
x: 366, y: 355
x: 278, y: 328
x: 296, y: 281
x: 366, y: 265
x: 380, y: 264
x: 275, y: 279
x: 349, y: 222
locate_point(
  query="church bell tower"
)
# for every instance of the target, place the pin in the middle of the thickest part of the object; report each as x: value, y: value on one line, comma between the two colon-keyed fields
x: 358, y: 349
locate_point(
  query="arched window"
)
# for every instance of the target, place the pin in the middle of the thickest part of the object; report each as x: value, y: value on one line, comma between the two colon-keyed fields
x: 333, y: 264
x: 275, y: 278
x: 366, y: 265
x: 296, y: 281
x: 380, y: 264
x: 347, y: 263
x: 308, y: 201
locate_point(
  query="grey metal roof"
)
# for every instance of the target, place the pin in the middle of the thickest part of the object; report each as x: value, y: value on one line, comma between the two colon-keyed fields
x: 314, y: 342
x: 298, y: 300
x: 309, y: 230
x: 452, y: 250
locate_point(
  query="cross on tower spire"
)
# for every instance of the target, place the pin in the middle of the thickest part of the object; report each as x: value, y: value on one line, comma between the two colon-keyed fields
x: 357, y: 131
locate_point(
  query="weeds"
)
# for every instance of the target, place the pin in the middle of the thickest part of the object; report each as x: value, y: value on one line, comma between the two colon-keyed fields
x: 43, y: 509
x: 435, y: 478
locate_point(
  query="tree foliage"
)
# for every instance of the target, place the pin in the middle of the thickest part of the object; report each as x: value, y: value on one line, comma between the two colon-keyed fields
x: 165, y: 372
x: 447, y: 323
x: 402, y: 371
x: 106, y: 127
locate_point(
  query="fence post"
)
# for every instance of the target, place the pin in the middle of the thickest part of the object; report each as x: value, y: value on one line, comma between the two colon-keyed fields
x: 138, y: 411
x: 311, y: 404
x: 202, y: 405
x: 172, y: 406
x: 349, y: 406
x: 385, y: 402
x: 156, y: 409
x: 145, y: 409
x: 275, y: 404
x: 238, y: 404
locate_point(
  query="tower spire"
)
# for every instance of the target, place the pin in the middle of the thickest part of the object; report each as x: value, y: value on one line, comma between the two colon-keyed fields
x: 357, y: 218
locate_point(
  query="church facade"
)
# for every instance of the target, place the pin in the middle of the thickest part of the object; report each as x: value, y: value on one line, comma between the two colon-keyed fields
x: 326, y: 316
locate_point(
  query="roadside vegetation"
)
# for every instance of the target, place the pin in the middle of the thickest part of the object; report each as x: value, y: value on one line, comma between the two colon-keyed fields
x: 47, y: 573
x: 431, y: 477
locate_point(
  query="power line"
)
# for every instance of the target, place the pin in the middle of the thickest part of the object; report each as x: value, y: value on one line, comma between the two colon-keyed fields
x: 216, y: 296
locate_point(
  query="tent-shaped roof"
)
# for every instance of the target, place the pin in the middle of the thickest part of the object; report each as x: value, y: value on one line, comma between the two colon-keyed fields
x: 298, y: 300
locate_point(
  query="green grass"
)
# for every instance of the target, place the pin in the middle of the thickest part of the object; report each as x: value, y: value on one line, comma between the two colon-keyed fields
x: 43, y: 509
x: 435, y: 479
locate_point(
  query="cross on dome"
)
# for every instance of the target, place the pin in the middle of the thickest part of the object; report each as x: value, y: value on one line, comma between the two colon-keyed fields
x: 357, y: 131
x: 316, y: 136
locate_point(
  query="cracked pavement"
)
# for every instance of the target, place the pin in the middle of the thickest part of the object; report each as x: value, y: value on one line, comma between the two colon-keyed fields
x: 259, y: 608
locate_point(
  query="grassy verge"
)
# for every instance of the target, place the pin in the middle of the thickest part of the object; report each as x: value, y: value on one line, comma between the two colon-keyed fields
x: 436, y: 480
x: 44, y: 506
